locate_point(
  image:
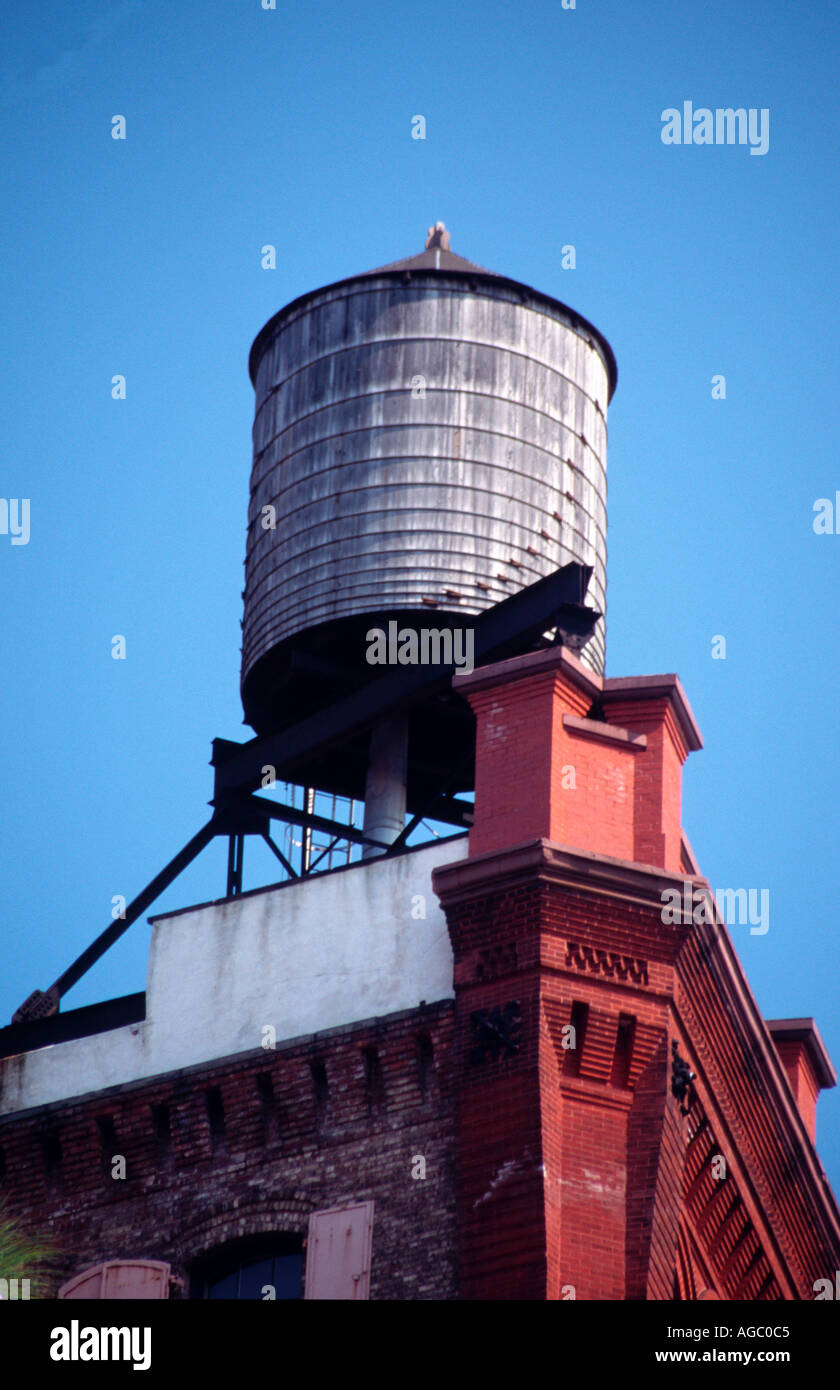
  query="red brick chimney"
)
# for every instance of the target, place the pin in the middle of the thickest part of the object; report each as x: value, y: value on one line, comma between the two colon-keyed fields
x: 545, y: 767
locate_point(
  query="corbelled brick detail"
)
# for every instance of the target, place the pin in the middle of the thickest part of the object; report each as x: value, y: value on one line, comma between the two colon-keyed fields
x: 279, y: 1158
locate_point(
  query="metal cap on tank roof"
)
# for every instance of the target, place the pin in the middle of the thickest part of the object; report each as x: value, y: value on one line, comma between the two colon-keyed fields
x: 429, y: 437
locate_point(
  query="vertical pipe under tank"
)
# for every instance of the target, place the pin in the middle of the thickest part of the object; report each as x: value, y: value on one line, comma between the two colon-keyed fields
x: 385, y: 786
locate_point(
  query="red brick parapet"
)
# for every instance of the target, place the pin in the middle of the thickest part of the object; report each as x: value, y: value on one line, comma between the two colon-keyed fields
x: 592, y: 763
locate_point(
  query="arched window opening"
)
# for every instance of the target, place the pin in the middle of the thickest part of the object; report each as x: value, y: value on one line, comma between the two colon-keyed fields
x: 257, y: 1267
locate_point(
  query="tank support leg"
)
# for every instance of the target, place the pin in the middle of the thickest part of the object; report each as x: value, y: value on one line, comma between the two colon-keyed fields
x: 385, y: 787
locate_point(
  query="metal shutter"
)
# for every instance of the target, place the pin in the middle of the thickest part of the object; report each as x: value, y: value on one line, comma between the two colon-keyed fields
x: 338, y: 1252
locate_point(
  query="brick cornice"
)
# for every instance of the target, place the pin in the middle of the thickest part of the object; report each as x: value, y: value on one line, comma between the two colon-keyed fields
x: 735, y: 1097
x: 645, y: 689
x: 742, y: 1085
x: 805, y: 1031
x: 554, y: 660
x: 232, y: 1062
x: 606, y: 733
x: 734, y: 1141
x: 717, y: 937
x: 554, y: 863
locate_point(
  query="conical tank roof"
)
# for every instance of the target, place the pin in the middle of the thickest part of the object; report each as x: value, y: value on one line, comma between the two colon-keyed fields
x: 438, y: 257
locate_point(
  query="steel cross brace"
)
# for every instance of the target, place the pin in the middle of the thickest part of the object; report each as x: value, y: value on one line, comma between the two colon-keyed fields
x: 501, y: 631
x: 237, y: 820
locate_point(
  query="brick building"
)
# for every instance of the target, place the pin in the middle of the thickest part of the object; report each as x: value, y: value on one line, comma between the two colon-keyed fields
x: 421, y: 1080
x: 497, y: 1066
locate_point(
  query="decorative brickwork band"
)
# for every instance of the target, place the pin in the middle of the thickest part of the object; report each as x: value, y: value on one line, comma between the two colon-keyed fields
x: 606, y: 963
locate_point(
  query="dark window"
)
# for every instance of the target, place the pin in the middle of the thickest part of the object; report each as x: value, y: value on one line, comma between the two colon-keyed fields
x: 251, y: 1269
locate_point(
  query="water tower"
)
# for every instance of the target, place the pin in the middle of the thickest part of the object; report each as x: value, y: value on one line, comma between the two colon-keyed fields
x: 429, y: 438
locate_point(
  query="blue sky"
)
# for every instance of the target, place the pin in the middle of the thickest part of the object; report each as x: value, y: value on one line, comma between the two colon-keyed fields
x: 293, y: 127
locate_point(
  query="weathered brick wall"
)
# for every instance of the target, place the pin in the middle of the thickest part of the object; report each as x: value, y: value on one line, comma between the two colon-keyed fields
x: 254, y: 1143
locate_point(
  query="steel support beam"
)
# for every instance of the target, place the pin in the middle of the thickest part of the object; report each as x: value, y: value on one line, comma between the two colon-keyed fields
x: 34, y: 1006
x: 500, y: 631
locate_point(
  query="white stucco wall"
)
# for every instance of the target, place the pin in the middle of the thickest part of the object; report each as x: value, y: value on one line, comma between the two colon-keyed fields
x: 331, y: 950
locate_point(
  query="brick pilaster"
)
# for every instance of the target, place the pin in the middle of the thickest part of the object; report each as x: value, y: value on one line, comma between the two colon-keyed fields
x: 548, y: 1156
